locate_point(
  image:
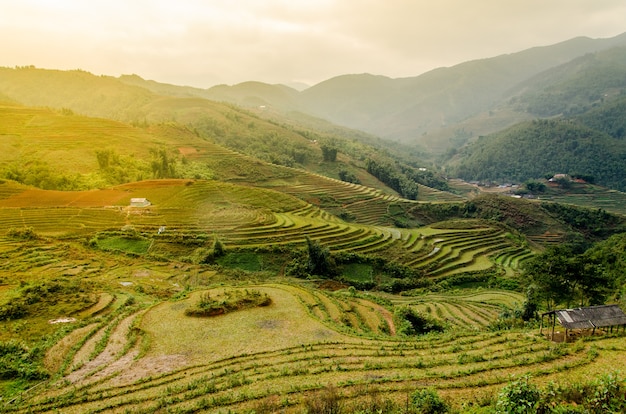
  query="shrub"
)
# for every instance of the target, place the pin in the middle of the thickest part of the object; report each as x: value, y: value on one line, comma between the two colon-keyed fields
x: 518, y: 397
x: 17, y: 361
x: 320, y: 261
x: 12, y: 310
x: 427, y: 401
x: 231, y: 301
x: 411, y: 322
x: 325, y: 401
x: 218, y: 248
x: 26, y: 233
x: 608, y: 395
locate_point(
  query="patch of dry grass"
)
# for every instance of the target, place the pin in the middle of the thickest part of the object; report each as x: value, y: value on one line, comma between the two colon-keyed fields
x: 282, y: 324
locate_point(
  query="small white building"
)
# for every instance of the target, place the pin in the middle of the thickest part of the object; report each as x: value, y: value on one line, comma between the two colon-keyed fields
x: 140, y: 202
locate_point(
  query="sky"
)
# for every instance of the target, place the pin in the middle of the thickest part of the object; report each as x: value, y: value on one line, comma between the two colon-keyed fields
x: 208, y: 42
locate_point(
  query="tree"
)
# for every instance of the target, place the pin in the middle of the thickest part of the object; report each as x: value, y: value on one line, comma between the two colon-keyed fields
x: 552, y: 273
x: 162, y: 165
x: 535, y: 186
x: 348, y: 177
x: 529, y: 310
x: 397, y: 181
x: 329, y: 153
x: 319, y: 263
x: 105, y: 157
x: 562, y: 275
x: 411, y: 322
x: 218, y: 248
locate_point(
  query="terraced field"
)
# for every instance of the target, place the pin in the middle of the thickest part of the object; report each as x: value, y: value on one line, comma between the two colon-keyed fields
x: 158, y: 360
x: 245, y: 217
x: 367, y: 205
x: 474, y: 311
x: 593, y: 197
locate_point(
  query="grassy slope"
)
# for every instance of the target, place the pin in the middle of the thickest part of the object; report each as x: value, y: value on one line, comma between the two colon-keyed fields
x: 244, y: 212
x: 225, y: 124
x: 64, y: 141
x: 234, y: 361
x: 586, y: 91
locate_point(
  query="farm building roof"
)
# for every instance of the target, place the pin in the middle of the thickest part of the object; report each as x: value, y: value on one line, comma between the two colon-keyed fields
x: 590, y: 317
x: 139, y: 202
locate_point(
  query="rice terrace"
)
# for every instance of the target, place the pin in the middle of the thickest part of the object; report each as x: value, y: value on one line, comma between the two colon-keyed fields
x: 169, y: 249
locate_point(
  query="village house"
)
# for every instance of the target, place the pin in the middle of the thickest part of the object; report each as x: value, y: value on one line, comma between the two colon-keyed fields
x: 140, y: 202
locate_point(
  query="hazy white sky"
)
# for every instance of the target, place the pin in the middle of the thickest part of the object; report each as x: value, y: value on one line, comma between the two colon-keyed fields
x: 207, y: 42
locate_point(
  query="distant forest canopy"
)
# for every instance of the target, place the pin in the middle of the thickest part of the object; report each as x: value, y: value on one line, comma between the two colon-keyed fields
x: 576, y: 86
x: 545, y: 147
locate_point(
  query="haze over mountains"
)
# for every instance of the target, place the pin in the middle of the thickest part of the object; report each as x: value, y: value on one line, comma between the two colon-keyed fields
x: 437, y: 113
x: 404, y: 109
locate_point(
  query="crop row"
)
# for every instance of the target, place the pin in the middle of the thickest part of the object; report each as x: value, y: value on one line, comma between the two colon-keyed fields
x: 439, y: 253
x: 473, y: 310
x: 59, y: 221
x: 368, y: 211
x: 344, y: 312
x: 242, y: 382
x: 436, y: 252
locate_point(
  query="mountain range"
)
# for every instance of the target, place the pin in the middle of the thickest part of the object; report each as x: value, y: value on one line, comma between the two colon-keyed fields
x: 406, y: 109
x: 434, y: 119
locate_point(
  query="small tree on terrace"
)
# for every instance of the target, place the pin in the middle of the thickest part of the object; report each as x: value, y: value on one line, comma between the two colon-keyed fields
x: 320, y: 263
x: 535, y: 186
x: 218, y: 247
x: 329, y: 153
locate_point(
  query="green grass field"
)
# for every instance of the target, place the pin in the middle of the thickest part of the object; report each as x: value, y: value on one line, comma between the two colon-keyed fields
x: 93, y: 291
x: 147, y: 359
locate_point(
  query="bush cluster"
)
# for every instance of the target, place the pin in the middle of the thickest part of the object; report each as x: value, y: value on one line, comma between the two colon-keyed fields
x: 411, y: 322
x: 48, y: 291
x: 229, y: 302
x: 17, y: 361
x: 606, y: 394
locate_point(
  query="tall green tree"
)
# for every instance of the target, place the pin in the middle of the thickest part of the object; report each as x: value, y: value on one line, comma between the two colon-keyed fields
x: 320, y: 262
x: 563, y: 276
x: 329, y: 153
x: 163, y: 166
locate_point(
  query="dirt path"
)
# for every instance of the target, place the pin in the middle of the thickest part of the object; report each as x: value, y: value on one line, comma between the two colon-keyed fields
x: 388, y: 316
x: 105, y: 360
x: 53, y: 359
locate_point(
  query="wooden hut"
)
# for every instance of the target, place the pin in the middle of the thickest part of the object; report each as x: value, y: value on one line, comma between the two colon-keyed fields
x: 589, y: 318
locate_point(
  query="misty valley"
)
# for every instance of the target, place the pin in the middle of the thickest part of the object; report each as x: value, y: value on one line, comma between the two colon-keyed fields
x: 449, y: 242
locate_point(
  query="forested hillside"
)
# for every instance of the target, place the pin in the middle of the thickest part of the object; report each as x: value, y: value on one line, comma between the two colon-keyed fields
x: 576, y: 86
x: 608, y: 118
x: 545, y: 147
x: 336, y: 152
x: 585, y: 100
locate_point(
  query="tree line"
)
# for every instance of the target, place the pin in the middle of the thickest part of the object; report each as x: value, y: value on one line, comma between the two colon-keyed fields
x: 393, y: 179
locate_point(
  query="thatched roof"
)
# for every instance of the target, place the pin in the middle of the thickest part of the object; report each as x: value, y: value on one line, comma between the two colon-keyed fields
x: 590, y: 317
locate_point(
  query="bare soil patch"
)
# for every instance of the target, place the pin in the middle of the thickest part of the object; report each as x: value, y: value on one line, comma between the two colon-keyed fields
x: 55, y: 355
x: 116, y: 343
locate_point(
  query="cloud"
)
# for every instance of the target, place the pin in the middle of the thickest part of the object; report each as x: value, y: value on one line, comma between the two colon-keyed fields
x: 228, y: 41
